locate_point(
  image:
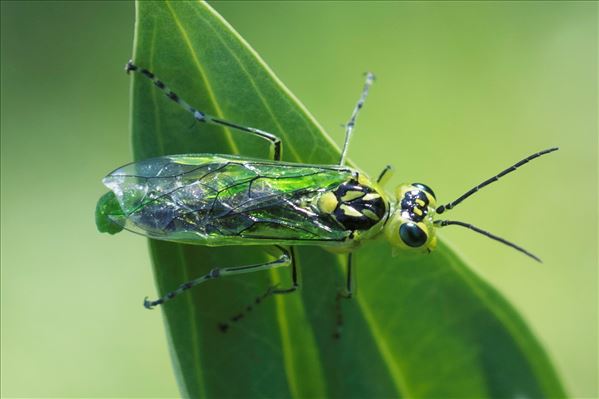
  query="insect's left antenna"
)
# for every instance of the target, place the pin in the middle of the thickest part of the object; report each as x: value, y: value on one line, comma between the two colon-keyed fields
x: 201, y: 116
x: 492, y: 236
x: 493, y: 179
x: 349, y: 128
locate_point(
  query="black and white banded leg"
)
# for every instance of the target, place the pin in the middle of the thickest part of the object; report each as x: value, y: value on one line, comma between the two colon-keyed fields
x: 346, y: 293
x: 285, y: 259
x: 203, y: 117
x: 224, y: 326
x: 349, y: 127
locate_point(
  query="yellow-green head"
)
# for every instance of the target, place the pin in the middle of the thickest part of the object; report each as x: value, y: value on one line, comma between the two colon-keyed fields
x: 411, y: 225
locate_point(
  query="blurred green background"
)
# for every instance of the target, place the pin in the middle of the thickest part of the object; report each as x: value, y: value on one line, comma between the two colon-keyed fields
x: 463, y: 90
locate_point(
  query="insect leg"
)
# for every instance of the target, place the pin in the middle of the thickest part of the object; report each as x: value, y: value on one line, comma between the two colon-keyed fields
x: 224, y: 326
x: 284, y: 260
x: 385, y: 175
x: 203, y: 117
x: 349, y: 128
x: 294, y: 283
x: 347, y: 294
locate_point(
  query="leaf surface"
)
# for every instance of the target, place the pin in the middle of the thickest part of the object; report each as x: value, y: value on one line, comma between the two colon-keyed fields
x: 420, y: 326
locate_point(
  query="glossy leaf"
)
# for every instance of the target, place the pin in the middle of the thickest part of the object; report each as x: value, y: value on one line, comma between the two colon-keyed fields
x: 420, y: 326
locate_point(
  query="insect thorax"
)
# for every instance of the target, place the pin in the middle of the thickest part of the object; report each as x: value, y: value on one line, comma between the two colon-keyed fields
x: 356, y: 205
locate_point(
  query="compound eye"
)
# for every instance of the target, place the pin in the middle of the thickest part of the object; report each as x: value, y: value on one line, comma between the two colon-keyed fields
x: 426, y: 188
x: 412, y: 235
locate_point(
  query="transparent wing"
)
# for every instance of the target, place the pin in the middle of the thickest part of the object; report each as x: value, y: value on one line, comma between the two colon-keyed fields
x: 225, y: 200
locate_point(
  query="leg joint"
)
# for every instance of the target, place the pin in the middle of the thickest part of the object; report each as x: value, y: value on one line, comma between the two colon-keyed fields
x: 130, y: 66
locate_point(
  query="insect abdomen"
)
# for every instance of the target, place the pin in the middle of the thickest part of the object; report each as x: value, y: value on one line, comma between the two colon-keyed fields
x: 226, y: 200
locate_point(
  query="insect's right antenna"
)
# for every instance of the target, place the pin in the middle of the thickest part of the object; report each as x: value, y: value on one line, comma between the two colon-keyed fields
x: 492, y: 236
x: 201, y: 116
x: 473, y: 190
x: 349, y: 128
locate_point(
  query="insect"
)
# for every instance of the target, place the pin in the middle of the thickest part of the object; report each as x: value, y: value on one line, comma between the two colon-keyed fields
x: 215, y: 200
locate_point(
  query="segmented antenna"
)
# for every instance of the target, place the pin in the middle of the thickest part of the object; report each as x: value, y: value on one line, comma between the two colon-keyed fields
x: 349, y: 128
x: 442, y: 223
x: 512, y: 168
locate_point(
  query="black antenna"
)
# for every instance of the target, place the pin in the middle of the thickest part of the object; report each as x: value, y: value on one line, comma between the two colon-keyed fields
x: 442, y: 223
x: 512, y: 168
x: 349, y: 128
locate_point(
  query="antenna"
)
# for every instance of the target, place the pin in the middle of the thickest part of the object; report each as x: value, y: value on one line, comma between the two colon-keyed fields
x: 349, y: 128
x: 512, y: 168
x: 442, y: 223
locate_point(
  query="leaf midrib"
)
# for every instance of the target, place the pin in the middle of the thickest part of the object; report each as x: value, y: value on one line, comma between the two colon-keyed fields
x: 283, y: 324
x: 192, y: 316
x: 232, y: 145
x: 395, y: 370
x: 289, y: 97
x: 281, y: 132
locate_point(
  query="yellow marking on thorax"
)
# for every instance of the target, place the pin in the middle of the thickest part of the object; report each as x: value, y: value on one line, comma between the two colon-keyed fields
x: 371, y: 215
x: 420, y: 202
x: 417, y: 211
x: 327, y: 202
x: 352, y: 195
x: 371, y: 196
x: 349, y: 211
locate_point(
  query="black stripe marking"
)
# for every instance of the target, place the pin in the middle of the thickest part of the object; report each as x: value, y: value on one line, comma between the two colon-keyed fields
x: 147, y: 73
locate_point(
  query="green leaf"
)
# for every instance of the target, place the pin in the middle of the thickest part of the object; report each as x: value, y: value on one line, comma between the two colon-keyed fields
x: 420, y: 326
